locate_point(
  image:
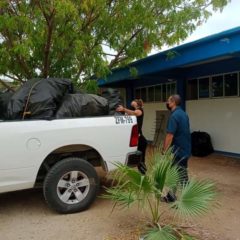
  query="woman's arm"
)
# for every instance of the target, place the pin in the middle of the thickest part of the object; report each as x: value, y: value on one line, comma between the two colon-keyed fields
x: 136, y: 112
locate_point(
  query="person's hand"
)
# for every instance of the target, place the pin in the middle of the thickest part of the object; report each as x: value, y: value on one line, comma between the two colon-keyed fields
x: 120, y: 108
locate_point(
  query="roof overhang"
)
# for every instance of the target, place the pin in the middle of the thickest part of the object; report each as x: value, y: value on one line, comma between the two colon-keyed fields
x: 216, y: 47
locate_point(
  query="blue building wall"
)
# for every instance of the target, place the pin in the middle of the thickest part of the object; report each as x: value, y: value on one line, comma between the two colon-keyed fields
x: 180, y: 75
x: 224, y: 66
x: 222, y: 45
x: 216, y: 54
x: 161, y: 67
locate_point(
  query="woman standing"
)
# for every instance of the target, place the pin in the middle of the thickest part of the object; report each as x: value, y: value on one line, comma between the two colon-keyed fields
x: 137, y: 105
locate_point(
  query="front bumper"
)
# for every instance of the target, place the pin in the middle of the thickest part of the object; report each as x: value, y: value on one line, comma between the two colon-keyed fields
x: 134, y: 158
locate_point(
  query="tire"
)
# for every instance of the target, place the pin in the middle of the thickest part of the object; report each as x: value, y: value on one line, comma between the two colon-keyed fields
x: 71, y: 185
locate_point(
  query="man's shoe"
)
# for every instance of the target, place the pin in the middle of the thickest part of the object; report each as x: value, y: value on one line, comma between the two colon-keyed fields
x: 169, y: 198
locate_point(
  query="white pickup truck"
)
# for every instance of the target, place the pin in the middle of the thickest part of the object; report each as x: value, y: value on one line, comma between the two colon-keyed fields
x: 61, y: 155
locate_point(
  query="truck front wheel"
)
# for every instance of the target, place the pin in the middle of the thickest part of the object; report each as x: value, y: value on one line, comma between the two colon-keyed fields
x: 71, y: 185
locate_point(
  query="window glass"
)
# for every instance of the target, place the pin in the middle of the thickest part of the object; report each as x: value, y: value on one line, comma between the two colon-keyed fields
x: 138, y: 93
x: 168, y: 90
x: 192, y: 89
x: 164, y: 93
x: 144, y: 94
x: 203, y: 88
x: 151, y: 94
x: 173, y: 88
x: 231, y: 84
x: 158, y: 93
x: 217, y: 86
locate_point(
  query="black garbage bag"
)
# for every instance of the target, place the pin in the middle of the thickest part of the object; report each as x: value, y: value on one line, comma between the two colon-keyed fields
x: 38, y: 98
x: 4, y: 100
x: 201, y: 144
x: 114, y: 99
x: 82, y: 105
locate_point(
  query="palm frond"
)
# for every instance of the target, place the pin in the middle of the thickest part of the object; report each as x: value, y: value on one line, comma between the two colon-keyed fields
x: 196, y: 198
x: 131, y: 187
x: 160, y: 233
x: 164, y: 174
x: 154, y: 156
x: 118, y: 175
x: 120, y: 197
x: 136, y: 181
x: 187, y: 237
x: 173, y: 176
x: 159, y: 174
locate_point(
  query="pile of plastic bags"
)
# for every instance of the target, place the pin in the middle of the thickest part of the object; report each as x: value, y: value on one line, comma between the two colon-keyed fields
x: 53, y: 98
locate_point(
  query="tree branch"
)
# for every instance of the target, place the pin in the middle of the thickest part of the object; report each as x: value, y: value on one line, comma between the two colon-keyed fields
x: 122, y: 58
x: 109, y: 54
x: 50, y: 21
x: 105, y: 44
x: 90, y: 19
x: 20, y: 59
x: 80, y: 70
x: 88, y: 52
x: 118, y: 55
x: 14, y: 78
x: 6, y: 85
x: 63, y: 53
x: 46, y: 63
x: 12, y: 8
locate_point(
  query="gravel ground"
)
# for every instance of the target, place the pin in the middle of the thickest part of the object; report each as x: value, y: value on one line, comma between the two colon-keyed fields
x: 24, y: 214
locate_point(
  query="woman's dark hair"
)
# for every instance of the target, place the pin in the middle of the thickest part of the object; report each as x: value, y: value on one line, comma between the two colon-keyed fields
x: 139, y: 102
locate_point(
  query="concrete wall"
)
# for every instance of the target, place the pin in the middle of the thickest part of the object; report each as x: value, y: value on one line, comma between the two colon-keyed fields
x: 220, y: 118
x: 150, y: 117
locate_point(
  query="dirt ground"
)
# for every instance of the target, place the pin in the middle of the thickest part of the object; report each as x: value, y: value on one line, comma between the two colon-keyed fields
x: 24, y: 215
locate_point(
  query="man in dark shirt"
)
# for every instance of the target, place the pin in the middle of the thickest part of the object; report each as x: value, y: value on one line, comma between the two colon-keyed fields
x: 179, y: 138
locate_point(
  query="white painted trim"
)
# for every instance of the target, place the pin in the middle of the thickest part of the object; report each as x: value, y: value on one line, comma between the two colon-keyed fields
x: 210, y: 85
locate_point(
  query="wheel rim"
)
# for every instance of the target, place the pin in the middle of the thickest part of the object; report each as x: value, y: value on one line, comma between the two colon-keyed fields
x: 73, y: 187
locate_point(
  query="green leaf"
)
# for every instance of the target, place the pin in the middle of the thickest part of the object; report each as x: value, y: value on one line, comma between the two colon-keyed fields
x: 133, y: 72
x: 136, y: 181
x: 187, y: 237
x: 173, y: 177
x: 121, y: 198
x: 196, y: 198
x: 171, y: 54
x: 164, y: 233
x: 160, y: 174
x: 164, y: 173
x: 72, y: 38
x: 89, y: 86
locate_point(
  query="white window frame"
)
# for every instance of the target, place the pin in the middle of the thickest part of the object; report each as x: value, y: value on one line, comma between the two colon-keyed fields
x: 210, y: 85
x: 155, y: 85
x: 211, y: 89
x: 237, y: 84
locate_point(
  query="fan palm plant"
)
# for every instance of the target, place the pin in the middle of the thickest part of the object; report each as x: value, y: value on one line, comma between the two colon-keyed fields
x: 194, y: 198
